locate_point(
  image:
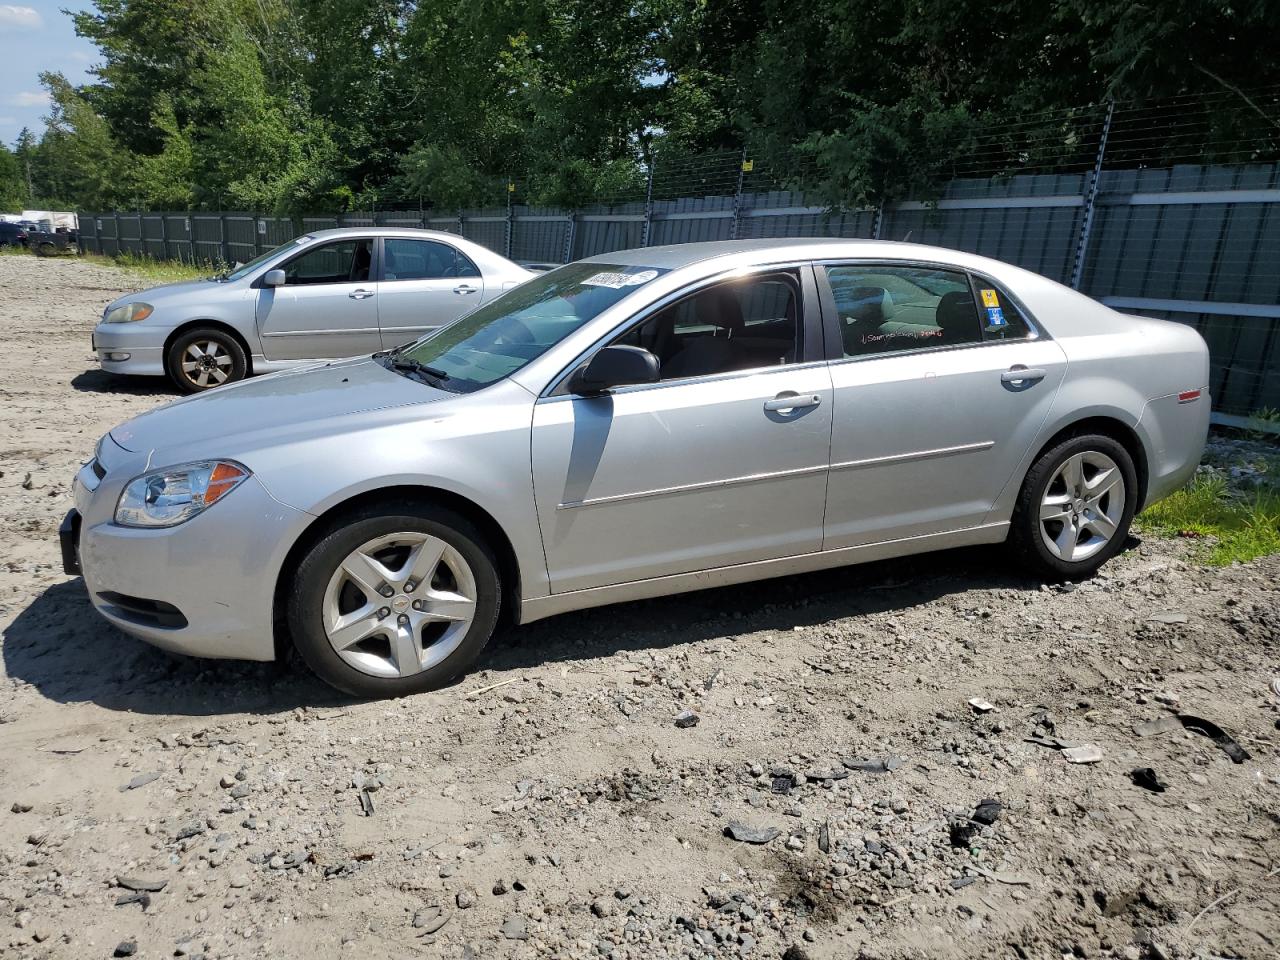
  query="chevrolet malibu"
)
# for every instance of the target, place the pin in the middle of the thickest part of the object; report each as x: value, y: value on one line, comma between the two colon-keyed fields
x: 638, y: 424
x: 332, y: 293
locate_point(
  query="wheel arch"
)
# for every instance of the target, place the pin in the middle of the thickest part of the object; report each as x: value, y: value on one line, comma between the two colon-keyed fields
x: 1107, y: 426
x: 495, y: 537
x: 213, y: 325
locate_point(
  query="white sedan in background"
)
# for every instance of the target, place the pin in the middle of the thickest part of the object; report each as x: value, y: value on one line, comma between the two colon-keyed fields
x: 326, y: 295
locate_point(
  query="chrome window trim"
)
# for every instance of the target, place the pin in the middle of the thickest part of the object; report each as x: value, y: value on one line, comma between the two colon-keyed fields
x: 555, y: 390
x: 1037, y: 331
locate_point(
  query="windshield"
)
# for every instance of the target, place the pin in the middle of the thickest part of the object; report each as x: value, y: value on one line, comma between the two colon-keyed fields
x: 497, y: 339
x: 245, y: 269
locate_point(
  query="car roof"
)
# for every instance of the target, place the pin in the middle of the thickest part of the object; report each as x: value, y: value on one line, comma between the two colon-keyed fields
x: 677, y: 255
x: 382, y: 231
x: 478, y: 252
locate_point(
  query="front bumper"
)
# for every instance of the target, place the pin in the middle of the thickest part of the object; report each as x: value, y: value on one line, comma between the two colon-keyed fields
x: 130, y: 348
x: 204, y: 588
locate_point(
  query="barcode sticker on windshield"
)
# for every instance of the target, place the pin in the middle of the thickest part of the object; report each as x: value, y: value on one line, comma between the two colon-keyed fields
x: 616, y: 281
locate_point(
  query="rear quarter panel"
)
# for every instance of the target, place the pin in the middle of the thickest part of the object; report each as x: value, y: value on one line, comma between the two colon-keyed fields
x: 1126, y: 368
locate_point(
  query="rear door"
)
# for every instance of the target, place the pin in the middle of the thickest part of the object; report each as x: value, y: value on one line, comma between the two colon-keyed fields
x: 327, y: 307
x: 425, y: 284
x: 941, y: 385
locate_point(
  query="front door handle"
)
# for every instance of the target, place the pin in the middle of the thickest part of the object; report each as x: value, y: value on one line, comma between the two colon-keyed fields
x: 1019, y: 374
x: 465, y: 288
x: 360, y: 294
x: 786, y: 402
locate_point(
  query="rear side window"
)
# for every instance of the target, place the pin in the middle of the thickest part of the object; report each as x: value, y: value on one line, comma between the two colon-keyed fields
x: 1001, y: 318
x: 887, y: 309
x: 423, y: 260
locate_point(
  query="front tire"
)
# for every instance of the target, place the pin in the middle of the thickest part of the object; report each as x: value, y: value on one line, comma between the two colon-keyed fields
x: 1075, y: 507
x: 394, y: 600
x: 204, y: 358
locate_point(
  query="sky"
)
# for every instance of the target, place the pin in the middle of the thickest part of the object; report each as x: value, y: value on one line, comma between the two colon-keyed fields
x: 35, y: 35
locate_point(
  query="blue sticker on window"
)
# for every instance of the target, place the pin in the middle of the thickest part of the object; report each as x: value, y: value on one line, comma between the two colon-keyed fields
x: 995, y: 317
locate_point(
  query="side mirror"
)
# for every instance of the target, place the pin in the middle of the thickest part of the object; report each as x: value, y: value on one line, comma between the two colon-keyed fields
x: 273, y: 278
x: 615, y: 366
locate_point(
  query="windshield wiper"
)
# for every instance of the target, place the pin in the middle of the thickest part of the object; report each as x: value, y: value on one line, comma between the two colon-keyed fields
x: 409, y: 365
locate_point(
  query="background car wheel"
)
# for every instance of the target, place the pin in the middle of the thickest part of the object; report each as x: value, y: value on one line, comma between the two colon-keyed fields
x: 394, y: 601
x: 204, y: 358
x: 1075, y: 507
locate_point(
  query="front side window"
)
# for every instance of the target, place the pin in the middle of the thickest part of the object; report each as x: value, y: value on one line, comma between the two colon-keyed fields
x: 887, y: 309
x: 423, y: 260
x: 346, y: 261
x: 740, y: 325
x: 502, y: 336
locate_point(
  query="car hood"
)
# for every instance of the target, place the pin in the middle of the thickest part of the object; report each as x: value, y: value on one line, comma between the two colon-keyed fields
x: 271, y: 408
x: 168, y: 291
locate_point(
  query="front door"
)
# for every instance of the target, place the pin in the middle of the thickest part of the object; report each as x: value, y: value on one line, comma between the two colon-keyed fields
x: 722, y: 462
x: 425, y: 284
x: 931, y: 415
x: 328, y: 307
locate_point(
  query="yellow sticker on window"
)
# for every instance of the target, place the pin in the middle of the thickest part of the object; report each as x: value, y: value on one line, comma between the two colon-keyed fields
x: 989, y: 298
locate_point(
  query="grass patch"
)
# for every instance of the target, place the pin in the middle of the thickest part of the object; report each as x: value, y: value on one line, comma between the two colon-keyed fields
x: 144, y: 270
x: 151, y: 271
x: 1234, y: 526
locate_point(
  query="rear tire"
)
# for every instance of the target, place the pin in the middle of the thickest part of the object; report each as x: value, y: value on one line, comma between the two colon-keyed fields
x: 203, y: 358
x: 1075, y: 507
x: 395, y: 599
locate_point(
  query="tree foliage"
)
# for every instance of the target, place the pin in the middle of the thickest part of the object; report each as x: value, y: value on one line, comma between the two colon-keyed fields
x: 294, y: 105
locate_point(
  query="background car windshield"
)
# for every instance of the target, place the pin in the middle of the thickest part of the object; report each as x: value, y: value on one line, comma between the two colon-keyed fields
x: 498, y: 338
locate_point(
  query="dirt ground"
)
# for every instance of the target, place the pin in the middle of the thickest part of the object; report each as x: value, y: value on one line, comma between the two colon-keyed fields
x: 563, y: 813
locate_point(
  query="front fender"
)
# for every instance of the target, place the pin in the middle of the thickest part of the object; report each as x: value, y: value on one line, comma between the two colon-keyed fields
x: 480, y: 455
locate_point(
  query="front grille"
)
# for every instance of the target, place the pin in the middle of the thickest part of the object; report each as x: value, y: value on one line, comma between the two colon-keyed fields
x: 140, y: 610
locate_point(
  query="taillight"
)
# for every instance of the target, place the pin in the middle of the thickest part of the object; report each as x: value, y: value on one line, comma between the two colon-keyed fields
x: 1186, y: 396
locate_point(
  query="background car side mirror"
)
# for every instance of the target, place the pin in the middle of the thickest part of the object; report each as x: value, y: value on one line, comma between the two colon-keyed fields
x: 274, y: 278
x: 615, y: 366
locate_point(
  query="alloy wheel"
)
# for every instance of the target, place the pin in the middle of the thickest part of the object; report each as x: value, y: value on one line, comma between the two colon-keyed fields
x: 1082, y: 506
x: 399, y: 604
x: 206, y: 363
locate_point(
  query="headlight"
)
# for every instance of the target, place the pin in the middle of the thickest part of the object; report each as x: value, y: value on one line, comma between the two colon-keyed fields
x: 128, y: 313
x: 166, y: 498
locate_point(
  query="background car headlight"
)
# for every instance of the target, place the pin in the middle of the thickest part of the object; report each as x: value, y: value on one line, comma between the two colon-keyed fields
x: 128, y: 312
x: 165, y: 498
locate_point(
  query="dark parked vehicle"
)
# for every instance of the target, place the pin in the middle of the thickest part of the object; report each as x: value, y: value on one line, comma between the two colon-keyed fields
x: 12, y: 234
x: 46, y: 244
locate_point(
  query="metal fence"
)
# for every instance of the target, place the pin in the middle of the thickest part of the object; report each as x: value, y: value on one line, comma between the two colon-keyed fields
x: 1198, y: 243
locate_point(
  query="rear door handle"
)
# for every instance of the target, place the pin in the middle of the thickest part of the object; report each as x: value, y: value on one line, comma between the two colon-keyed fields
x: 360, y: 294
x: 1022, y: 374
x: 465, y: 288
x: 784, y: 403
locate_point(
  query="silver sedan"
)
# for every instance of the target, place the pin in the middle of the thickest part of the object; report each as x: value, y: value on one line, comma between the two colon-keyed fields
x: 329, y: 294
x: 638, y: 424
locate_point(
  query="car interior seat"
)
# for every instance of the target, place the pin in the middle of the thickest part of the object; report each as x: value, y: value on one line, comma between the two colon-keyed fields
x: 957, y: 317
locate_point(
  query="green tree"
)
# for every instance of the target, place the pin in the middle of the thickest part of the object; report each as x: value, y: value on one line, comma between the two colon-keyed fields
x: 78, y: 159
x: 13, y: 187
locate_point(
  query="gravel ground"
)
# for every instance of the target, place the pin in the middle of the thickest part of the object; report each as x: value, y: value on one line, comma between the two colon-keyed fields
x: 175, y: 807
